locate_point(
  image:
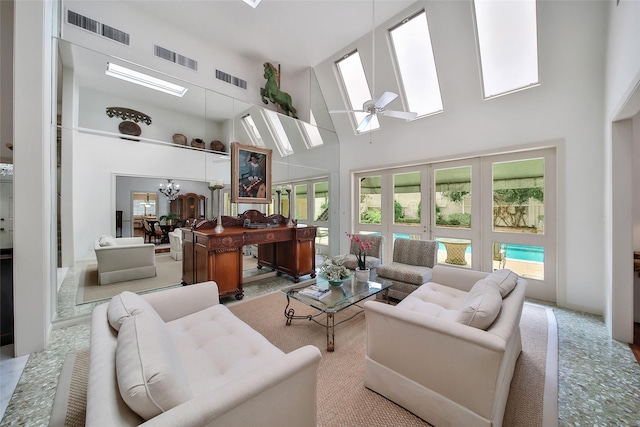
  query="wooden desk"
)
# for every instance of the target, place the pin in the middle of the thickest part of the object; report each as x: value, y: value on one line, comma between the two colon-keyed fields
x: 207, y: 255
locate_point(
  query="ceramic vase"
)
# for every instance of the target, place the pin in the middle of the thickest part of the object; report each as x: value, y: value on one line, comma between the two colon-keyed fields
x: 362, y: 275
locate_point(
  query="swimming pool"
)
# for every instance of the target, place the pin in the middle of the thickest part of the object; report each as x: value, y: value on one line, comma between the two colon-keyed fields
x: 524, y: 253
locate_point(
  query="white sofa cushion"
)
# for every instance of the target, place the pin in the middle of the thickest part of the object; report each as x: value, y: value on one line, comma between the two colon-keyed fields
x: 504, y: 279
x: 151, y: 378
x: 481, y: 306
x: 125, y: 305
x: 216, y: 347
x: 436, y: 300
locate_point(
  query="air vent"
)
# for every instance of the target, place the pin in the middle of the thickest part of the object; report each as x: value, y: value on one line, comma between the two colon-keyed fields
x: 221, y: 75
x: 163, y: 53
x: 97, y: 27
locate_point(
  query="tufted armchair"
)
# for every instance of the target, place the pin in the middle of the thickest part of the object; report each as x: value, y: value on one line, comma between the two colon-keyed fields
x: 411, y: 267
x: 374, y: 254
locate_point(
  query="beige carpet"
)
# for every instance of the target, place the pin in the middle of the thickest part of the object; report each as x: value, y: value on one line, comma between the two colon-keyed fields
x: 342, y: 398
x: 168, y: 273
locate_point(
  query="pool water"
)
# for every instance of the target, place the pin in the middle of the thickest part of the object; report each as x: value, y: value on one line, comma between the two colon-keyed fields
x: 524, y: 253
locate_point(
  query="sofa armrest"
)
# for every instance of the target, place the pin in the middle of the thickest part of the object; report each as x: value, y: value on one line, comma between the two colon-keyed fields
x: 277, y: 394
x: 125, y: 241
x: 175, y: 303
x: 456, y: 277
x: 458, y: 362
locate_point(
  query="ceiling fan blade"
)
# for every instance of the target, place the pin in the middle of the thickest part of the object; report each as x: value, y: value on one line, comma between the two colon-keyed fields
x: 364, y: 123
x: 399, y: 114
x: 384, y: 99
x: 347, y: 111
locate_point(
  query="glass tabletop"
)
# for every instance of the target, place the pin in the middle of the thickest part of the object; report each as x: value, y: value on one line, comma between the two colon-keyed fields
x: 332, y: 299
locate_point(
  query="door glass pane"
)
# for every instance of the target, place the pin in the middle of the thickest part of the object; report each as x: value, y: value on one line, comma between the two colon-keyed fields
x: 322, y: 236
x: 518, y: 196
x: 370, y: 201
x: 321, y: 201
x: 453, y: 197
x: 301, y: 201
x: 406, y: 198
x: 526, y: 261
x: 454, y: 251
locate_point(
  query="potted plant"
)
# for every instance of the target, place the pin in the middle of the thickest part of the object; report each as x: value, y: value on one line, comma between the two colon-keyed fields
x: 334, y: 270
x: 362, y: 272
x: 168, y: 218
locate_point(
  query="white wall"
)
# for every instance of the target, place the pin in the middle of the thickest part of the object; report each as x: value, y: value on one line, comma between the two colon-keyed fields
x: 567, y: 106
x: 622, y: 102
x: 164, y: 122
x: 34, y: 228
x: 97, y: 160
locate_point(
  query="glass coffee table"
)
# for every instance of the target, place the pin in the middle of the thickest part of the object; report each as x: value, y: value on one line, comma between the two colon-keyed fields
x: 329, y: 300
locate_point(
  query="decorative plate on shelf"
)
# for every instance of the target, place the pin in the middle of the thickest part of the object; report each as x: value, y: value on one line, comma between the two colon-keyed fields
x: 129, y: 128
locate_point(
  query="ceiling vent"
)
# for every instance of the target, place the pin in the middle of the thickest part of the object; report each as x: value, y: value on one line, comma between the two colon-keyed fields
x: 236, y: 81
x: 97, y: 27
x: 176, y: 58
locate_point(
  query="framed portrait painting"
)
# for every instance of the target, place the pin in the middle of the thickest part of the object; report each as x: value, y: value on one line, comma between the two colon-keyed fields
x: 250, y: 174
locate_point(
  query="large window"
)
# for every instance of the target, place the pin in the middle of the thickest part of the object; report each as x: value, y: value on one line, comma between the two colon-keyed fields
x: 507, y: 41
x: 416, y: 65
x: 370, y: 201
x: 518, y: 196
x: 489, y: 212
x: 407, y: 202
x: 453, y: 197
x: 356, y: 87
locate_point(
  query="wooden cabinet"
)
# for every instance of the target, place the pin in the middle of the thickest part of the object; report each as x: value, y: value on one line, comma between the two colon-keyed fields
x: 189, y: 206
x: 208, y: 255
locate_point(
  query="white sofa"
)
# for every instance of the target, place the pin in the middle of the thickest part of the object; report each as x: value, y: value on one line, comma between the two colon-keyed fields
x: 175, y: 241
x: 180, y: 358
x: 432, y: 355
x: 124, y: 258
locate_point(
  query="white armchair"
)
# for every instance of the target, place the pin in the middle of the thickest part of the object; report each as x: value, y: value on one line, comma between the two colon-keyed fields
x: 428, y: 355
x: 175, y: 240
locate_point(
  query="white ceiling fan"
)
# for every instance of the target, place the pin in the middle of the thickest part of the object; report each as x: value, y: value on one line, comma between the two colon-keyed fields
x: 373, y: 107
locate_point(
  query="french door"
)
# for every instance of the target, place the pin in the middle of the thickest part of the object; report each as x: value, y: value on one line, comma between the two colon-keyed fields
x: 488, y: 212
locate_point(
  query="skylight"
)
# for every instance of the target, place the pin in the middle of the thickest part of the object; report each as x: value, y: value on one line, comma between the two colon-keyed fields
x: 416, y: 65
x: 310, y: 134
x: 254, y: 134
x: 278, y: 133
x: 356, y: 87
x: 507, y: 40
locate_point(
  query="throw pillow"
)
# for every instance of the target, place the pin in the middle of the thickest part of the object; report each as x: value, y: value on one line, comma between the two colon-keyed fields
x: 125, y: 305
x: 107, y: 241
x: 481, y: 306
x: 504, y: 279
x: 150, y: 376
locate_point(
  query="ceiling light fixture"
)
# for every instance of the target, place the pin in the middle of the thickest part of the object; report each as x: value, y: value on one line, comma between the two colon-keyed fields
x: 252, y: 3
x: 141, y: 79
x: 170, y: 189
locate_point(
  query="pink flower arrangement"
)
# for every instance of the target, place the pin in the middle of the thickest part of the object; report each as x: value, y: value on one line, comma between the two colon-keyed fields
x: 361, y: 256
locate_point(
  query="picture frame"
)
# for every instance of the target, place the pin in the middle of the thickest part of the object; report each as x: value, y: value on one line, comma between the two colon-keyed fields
x: 250, y: 174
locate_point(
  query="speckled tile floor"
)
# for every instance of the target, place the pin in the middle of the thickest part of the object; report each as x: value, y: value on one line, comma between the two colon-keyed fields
x: 599, y: 379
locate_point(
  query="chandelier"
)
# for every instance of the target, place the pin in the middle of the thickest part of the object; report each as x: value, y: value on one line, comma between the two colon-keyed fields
x: 170, y: 189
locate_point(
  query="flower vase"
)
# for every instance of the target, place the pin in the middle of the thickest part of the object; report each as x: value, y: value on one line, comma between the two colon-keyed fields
x: 362, y: 275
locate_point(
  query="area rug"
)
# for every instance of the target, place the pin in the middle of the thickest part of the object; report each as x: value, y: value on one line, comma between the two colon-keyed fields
x: 168, y: 273
x: 342, y: 398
